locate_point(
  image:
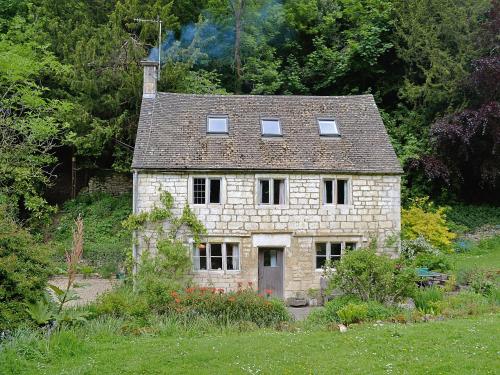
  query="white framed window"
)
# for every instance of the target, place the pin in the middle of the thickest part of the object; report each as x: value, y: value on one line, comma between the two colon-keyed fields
x: 331, y: 252
x: 328, y: 127
x: 271, y: 127
x: 336, y: 191
x: 207, y: 190
x: 272, y: 191
x: 216, y: 256
x: 217, y: 125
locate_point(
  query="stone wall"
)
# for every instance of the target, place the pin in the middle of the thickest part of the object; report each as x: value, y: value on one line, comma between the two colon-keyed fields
x: 114, y: 184
x: 373, y: 212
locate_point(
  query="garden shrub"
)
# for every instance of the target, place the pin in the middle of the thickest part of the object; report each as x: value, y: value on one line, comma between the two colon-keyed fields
x: 241, y: 305
x: 426, y: 298
x: 482, y: 281
x: 120, y: 302
x: 368, y: 276
x: 423, y: 219
x: 411, y: 248
x: 436, y: 262
x: 24, y: 269
x: 353, y: 313
x: 330, y: 311
x: 465, y: 303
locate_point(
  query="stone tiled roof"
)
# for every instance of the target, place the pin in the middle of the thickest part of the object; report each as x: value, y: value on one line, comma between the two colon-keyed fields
x: 172, y: 134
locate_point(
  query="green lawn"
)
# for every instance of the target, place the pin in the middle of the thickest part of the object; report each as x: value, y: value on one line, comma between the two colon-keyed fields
x: 462, y: 346
x: 485, y: 255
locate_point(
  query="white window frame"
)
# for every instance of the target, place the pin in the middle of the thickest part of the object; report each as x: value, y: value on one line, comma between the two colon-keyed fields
x: 329, y: 249
x: 271, y: 191
x: 218, y: 117
x: 224, y: 245
x: 280, y: 134
x: 334, y: 180
x: 207, y: 190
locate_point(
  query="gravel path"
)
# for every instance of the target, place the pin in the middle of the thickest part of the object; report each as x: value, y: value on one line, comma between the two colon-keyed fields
x: 87, y: 289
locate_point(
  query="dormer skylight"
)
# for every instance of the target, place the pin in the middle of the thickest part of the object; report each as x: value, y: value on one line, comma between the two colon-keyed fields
x: 328, y: 128
x: 270, y: 127
x: 217, y: 125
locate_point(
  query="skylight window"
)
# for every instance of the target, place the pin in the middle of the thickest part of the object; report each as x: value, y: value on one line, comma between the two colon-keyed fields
x: 271, y: 127
x: 217, y: 125
x: 328, y: 127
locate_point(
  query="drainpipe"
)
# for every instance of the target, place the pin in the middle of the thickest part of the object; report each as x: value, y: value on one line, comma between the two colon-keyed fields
x: 135, y: 189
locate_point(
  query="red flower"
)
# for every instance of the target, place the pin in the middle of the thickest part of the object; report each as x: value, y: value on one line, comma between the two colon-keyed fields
x: 268, y: 292
x: 177, y: 300
x: 173, y: 293
x: 231, y: 299
x: 220, y: 290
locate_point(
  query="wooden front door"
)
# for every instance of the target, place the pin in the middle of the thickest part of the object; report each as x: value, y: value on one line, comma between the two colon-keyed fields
x: 271, y: 271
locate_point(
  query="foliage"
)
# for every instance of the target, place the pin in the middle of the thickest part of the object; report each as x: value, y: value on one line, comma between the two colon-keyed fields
x: 465, y: 303
x: 106, y: 241
x: 434, y: 261
x: 24, y: 269
x: 426, y: 298
x: 221, y: 308
x: 473, y: 217
x: 422, y: 218
x: 368, y: 276
x: 164, y: 268
x: 352, y: 313
x: 412, y: 248
x: 32, y: 124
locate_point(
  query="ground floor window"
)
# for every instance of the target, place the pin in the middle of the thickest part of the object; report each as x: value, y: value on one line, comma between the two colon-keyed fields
x: 331, y: 252
x: 216, y: 256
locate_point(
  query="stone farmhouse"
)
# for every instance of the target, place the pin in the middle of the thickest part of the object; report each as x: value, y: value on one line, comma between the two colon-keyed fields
x: 283, y: 184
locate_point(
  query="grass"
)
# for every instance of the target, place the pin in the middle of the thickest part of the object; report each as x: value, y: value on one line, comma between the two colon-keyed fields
x: 484, y: 255
x: 464, y: 346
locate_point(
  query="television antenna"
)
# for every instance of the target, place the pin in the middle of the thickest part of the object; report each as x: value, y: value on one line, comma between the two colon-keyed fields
x: 157, y: 21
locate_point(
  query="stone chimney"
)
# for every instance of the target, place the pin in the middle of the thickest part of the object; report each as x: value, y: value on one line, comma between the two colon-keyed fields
x: 150, y: 78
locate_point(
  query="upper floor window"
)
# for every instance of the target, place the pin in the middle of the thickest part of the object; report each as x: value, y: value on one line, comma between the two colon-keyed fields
x: 206, y: 190
x: 217, y: 125
x: 271, y: 127
x: 328, y: 127
x: 216, y: 256
x: 272, y: 191
x: 335, y: 191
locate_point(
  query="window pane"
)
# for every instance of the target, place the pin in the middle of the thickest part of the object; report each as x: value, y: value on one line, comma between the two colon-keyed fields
x: 320, y: 255
x: 198, y: 190
x: 217, y: 125
x: 264, y: 191
x: 215, y: 191
x: 200, y: 257
x: 335, y: 249
x: 270, y: 258
x: 215, y: 250
x: 327, y: 127
x: 328, y: 191
x: 320, y: 261
x: 321, y: 249
x: 341, y: 191
x: 279, y: 191
x: 233, y: 260
x: 271, y: 127
x: 350, y: 246
x: 216, y: 256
